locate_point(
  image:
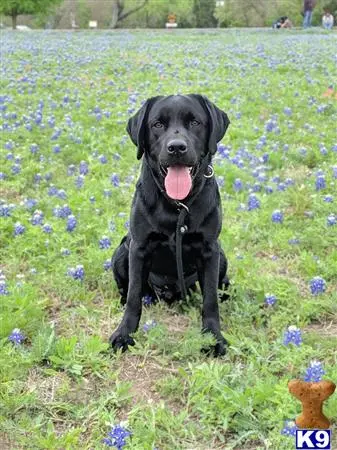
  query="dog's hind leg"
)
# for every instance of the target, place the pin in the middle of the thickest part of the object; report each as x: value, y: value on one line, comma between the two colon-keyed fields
x: 120, y: 268
x: 223, y: 278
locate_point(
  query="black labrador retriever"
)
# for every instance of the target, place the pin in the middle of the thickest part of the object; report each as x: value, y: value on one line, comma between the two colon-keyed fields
x: 176, y: 213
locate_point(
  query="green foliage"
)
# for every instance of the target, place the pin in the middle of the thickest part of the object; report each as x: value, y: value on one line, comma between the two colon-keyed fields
x: 15, y: 8
x: 204, y: 13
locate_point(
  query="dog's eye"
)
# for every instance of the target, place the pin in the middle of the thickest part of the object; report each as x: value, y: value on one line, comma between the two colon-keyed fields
x: 194, y: 123
x: 158, y: 124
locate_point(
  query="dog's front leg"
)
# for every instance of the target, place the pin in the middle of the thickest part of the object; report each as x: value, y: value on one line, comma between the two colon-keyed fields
x: 208, y: 271
x: 138, y: 275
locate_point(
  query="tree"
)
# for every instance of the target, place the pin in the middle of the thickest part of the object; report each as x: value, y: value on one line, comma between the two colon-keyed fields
x: 204, y: 13
x: 118, y: 13
x: 15, y: 8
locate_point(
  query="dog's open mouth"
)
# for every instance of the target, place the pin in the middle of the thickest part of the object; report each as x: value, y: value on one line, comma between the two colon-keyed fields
x: 178, y: 181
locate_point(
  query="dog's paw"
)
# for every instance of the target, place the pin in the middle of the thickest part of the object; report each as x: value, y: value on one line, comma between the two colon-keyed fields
x: 219, y: 349
x: 118, y: 340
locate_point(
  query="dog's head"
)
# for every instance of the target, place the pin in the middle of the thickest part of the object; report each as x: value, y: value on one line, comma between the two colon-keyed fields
x: 176, y: 133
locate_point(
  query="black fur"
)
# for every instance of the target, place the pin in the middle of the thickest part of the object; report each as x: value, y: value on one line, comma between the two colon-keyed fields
x: 145, y: 261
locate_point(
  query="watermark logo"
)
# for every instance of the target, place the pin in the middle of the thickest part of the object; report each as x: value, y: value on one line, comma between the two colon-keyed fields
x: 313, y: 439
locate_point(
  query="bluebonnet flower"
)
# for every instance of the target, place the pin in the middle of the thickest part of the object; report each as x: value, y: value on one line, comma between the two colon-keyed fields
x: 61, y: 193
x: 107, y: 193
x: 47, y: 228
x: 334, y: 171
x: 270, y: 299
x: 83, y: 168
x: 76, y: 272
x: 114, y: 180
x: 92, y: 199
x: 281, y: 187
x: 37, y: 218
x: 314, y: 372
x: 292, y: 335
x: 107, y: 264
x: 127, y: 224
x: 71, y: 223
x: 37, y: 178
x: 320, y: 182
x: 257, y: 187
x: 79, y: 181
x: 16, y: 337
x: 3, y: 287
x: 5, y: 210
x: 237, y: 185
x: 317, y: 285
x: 331, y: 220
x: 268, y: 189
x: 34, y: 148
x: 19, y: 229
x: 52, y: 190
x: 65, y: 252
x: 253, y: 202
x: 148, y: 300
x: 287, y: 111
x: 102, y: 159
x: 104, y: 243
x: 149, y: 324
x: 289, y: 428
x: 277, y: 216
x: 116, y: 156
x: 293, y: 241
x: 328, y: 199
x: 71, y: 170
x: 56, y: 148
x: 29, y: 203
x: 62, y: 212
x: 116, y: 437
x: 3, y: 176
x: 16, y: 168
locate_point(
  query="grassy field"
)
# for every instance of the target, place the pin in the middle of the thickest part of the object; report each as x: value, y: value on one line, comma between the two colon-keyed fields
x: 67, y: 175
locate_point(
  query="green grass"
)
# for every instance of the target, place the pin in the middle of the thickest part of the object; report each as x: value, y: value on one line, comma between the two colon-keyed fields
x: 63, y: 388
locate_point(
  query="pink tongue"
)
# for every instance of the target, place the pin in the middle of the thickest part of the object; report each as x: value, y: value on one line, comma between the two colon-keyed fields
x: 178, y: 182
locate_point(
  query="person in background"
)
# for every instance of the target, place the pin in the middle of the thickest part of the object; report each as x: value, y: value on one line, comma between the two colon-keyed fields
x: 327, y: 20
x: 282, y: 22
x: 308, y: 6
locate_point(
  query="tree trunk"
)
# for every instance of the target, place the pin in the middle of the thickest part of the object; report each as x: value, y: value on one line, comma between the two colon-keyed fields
x: 14, y: 17
x: 115, y: 11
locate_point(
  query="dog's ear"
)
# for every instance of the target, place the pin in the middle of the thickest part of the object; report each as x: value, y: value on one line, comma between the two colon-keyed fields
x: 137, y: 126
x: 218, y: 122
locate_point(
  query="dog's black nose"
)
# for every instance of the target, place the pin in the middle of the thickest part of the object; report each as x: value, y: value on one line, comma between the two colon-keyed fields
x: 177, y: 146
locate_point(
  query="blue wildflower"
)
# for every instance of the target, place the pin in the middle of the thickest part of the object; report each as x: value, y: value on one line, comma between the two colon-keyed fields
x: 270, y: 299
x: 116, y: 437
x: 289, y: 428
x: 320, y: 183
x: 5, y: 210
x: 76, y: 272
x: 148, y: 300
x: 102, y: 159
x: 149, y: 324
x: 277, y: 216
x: 47, y: 228
x: 37, y: 218
x: 292, y: 335
x: 107, y: 264
x: 237, y: 185
x: 317, y: 285
x: 331, y: 220
x: 314, y: 372
x: 328, y: 199
x: 293, y: 241
x: 65, y: 252
x: 71, y: 223
x: 253, y: 202
x: 104, y: 243
x: 16, y: 337
x: 114, y: 180
x: 79, y: 181
x: 3, y: 287
x: 19, y: 229
x: 83, y: 168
